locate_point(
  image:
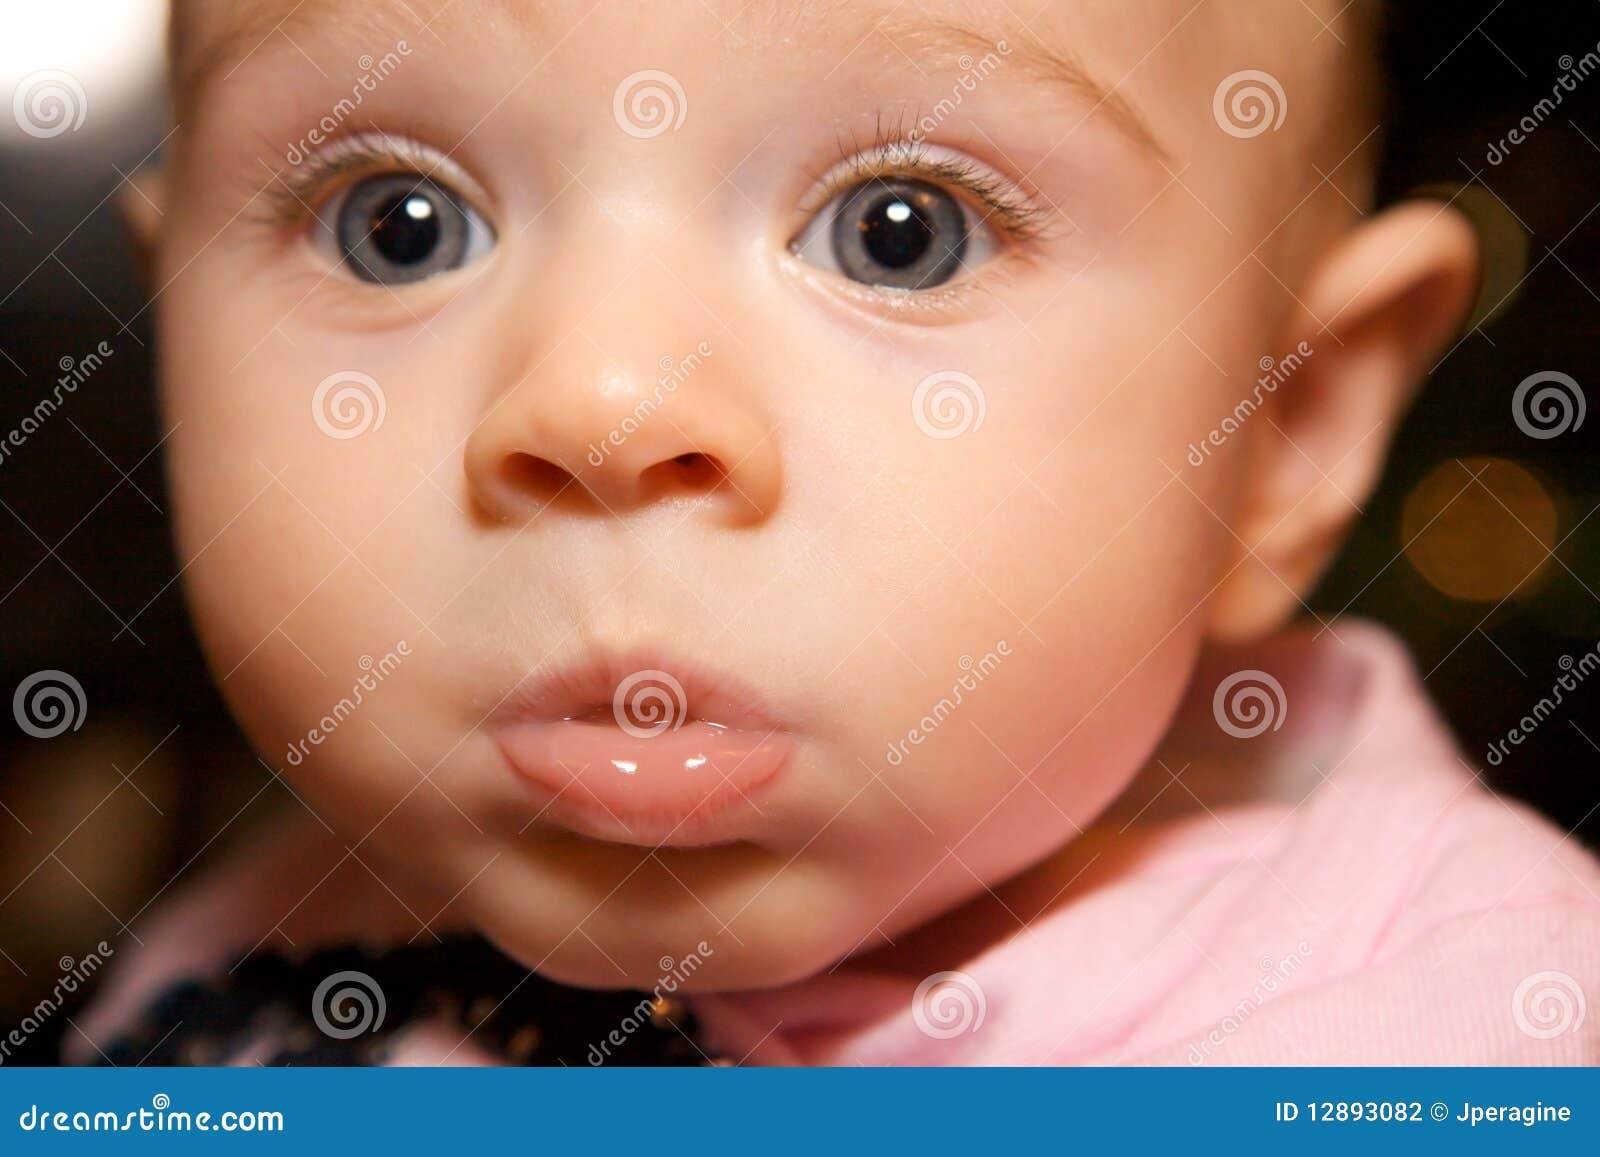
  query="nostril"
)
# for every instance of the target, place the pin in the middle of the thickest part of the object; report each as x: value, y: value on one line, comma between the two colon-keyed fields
x: 528, y: 483
x: 530, y: 474
x: 689, y: 472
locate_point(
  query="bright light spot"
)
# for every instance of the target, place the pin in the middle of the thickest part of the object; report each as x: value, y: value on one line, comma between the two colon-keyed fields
x: 1480, y: 529
x: 109, y: 48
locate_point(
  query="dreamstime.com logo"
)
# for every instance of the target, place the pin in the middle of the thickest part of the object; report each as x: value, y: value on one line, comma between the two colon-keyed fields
x: 348, y: 404
x: 948, y: 404
x: 1250, y: 103
x: 160, y: 1117
x: 1249, y: 703
x: 347, y: 1004
x: 1274, y: 372
x: 973, y: 673
x: 75, y: 974
x: 1573, y: 73
x: 48, y: 703
x: 648, y: 103
x: 373, y: 673
x: 1574, y: 672
x: 74, y: 373
x: 48, y: 103
x: 373, y: 72
x: 656, y: 1006
x: 674, y: 372
x: 1549, y: 404
x: 1276, y: 972
x: 649, y: 703
x: 973, y: 73
x: 1549, y: 1004
x: 948, y: 1004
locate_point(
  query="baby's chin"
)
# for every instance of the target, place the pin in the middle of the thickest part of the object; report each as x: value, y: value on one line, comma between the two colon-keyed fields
x: 702, y: 969
x: 760, y: 926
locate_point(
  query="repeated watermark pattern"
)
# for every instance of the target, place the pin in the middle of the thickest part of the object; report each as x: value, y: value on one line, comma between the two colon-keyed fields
x: 656, y: 1006
x: 948, y: 404
x: 348, y: 404
x: 1249, y: 103
x: 75, y: 975
x: 649, y: 703
x: 348, y: 1004
x: 49, y: 102
x: 1576, y: 671
x: 1249, y: 703
x: 673, y: 374
x: 1274, y: 373
x: 1275, y: 974
x: 373, y: 673
x: 373, y: 72
x: 973, y: 673
x: 49, y: 703
x: 1549, y: 404
x: 648, y: 103
x: 949, y: 1004
x: 74, y: 373
x: 1547, y: 1005
x: 1573, y: 74
x: 973, y: 73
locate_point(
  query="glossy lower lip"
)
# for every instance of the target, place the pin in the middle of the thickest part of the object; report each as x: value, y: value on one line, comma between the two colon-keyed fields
x: 689, y: 787
x: 683, y: 770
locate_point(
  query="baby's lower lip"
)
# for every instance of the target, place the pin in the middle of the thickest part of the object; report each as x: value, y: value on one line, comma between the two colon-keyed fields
x: 687, y: 786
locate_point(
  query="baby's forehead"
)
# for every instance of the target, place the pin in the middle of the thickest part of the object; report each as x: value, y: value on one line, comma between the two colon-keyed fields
x: 1118, y: 41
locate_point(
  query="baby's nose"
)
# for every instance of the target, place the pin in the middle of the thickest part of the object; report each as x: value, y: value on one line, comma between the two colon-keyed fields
x: 616, y: 440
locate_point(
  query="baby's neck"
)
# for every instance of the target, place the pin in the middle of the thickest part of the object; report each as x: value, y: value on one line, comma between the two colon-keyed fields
x: 1115, y: 844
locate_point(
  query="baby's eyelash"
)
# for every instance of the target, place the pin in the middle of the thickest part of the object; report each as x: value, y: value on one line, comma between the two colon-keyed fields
x: 893, y: 154
x: 295, y: 193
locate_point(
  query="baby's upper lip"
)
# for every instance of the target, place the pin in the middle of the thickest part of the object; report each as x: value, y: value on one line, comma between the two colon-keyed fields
x: 642, y: 749
x: 639, y: 687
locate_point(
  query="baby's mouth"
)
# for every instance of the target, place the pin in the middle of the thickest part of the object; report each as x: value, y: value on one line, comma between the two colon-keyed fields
x: 645, y: 757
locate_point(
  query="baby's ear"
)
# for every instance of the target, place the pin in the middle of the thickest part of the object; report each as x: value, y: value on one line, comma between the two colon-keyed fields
x: 1374, y: 315
x: 142, y: 201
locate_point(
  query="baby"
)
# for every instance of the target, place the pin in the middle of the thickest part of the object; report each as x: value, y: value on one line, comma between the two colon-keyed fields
x: 788, y: 513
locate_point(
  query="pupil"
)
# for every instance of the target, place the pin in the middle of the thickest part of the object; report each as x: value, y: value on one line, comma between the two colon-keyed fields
x: 894, y: 233
x: 405, y: 228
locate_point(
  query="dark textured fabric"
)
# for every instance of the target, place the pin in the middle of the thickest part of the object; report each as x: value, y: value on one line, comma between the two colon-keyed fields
x: 287, y: 1012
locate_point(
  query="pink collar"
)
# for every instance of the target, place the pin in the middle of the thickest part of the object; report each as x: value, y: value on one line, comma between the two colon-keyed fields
x: 1284, y: 870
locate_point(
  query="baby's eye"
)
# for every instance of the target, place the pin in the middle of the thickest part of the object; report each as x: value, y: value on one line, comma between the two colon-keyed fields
x: 399, y: 227
x: 896, y: 233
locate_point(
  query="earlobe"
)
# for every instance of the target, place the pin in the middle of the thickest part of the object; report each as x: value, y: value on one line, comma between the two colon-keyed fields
x: 1375, y: 313
x: 142, y: 201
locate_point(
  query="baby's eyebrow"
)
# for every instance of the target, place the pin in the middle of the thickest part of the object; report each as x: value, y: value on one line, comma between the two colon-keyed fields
x: 923, y: 42
x: 941, y: 44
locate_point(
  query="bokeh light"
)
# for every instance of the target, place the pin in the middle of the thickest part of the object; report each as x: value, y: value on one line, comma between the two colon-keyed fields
x: 1480, y: 529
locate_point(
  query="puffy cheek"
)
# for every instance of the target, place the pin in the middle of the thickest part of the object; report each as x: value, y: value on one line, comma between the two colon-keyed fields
x: 288, y: 529
x: 282, y: 662
x: 1047, y: 624
x: 291, y: 624
x: 1007, y: 771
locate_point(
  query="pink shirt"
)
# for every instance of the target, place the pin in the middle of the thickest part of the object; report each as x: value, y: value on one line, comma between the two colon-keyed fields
x: 1340, y: 889
x: 1364, y: 899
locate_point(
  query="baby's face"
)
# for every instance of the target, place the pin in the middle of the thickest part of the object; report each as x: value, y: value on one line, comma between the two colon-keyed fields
x: 834, y: 367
